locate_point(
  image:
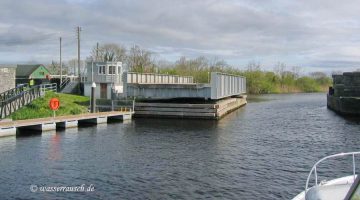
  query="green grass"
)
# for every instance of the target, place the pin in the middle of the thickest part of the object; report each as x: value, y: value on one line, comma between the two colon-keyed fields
x: 39, y: 108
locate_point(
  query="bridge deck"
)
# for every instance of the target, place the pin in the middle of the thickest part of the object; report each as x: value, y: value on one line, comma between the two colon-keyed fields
x: 154, y: 86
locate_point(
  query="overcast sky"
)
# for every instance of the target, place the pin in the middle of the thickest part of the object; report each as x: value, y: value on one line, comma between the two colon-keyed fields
x: 314, y: 34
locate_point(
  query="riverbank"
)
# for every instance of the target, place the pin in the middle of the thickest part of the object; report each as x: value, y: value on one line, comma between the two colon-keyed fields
x: 39, y: 108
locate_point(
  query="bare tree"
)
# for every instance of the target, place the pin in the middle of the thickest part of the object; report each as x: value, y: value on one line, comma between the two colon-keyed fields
x: 140, y: 60
x: 72, y: 66
x: 318, y: 75
x: 54, y: 67
x: 109, y: 52
x: 253, y: 66
x: 338, y: 72
x: 296, y: 70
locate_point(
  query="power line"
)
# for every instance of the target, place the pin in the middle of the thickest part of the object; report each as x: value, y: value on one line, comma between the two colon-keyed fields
x: 78, y: 40
x: 60, y: 64
x: 97, y: 51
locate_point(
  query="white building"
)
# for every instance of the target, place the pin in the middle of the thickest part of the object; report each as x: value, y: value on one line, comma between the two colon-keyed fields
x: 107, y: 76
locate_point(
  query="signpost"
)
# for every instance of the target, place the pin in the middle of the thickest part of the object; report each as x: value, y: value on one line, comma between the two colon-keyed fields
x: 54, y: 104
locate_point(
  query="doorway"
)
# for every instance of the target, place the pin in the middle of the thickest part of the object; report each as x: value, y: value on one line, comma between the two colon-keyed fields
x: 103, y: 90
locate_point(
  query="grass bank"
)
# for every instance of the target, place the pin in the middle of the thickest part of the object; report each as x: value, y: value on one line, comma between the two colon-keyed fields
x: 69, y: 105
x: 264, y: 82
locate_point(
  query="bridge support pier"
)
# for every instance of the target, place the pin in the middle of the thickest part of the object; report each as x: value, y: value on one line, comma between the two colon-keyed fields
x: 97, y: 120
x: 7, y: 131
x: 123, y: 117
x: 67, y: 124
x: 50, y: 126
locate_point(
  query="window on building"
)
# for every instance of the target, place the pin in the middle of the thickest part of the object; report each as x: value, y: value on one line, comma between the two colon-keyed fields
x: 101, y: 69
x: 119, y: 70
x: 42, y: 73
x: 112, y: 69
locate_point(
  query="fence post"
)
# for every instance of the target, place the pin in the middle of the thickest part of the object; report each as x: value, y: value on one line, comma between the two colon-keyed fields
x: 133, y: 109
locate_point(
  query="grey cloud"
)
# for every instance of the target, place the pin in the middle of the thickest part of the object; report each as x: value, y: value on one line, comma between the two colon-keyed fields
x: 22, y: 35
x: 296, y: 32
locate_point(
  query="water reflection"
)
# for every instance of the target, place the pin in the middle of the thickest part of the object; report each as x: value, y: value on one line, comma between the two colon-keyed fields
x: 54, y: 147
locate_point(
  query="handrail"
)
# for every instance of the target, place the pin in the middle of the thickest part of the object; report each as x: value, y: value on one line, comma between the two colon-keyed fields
x: 15, y: 102
x: 159, y: 74
x: 313, y: 169
x: 64, y: 83
x: 50, y: 86
x: 227, y: 74
x: 151, y: 78
x: 13, y: 92
x: 113, y: 105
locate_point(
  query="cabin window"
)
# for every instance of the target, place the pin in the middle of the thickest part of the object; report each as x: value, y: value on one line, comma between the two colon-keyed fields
x: 112, y: 69
x: 101, y: 69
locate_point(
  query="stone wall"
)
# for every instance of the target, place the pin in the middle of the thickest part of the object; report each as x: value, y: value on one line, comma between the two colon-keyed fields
x: 347, y: 85
x: 344, y: 105
x: 7, y: 78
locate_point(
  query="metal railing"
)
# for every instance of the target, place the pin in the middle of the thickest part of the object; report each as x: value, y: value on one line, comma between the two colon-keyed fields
x: 314, y: 168
x: 47, y: 87
x: 13, y: 92
x: 13, y: 103
x: 149, y: 78
x: 12, y: 100
x: 64, y: 83
x: 104, y: 105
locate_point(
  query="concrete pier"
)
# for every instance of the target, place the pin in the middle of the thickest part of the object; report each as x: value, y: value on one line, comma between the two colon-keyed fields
x: 7, y: 131
x: 10, y: 128
x: 97, y: 120
x: 214, y: 110
x: 49, y: 126
x: 121, y: 117
x: 67, y: 124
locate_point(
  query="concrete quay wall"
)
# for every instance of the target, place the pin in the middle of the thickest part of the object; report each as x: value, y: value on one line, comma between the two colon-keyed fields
x: 214, y: 110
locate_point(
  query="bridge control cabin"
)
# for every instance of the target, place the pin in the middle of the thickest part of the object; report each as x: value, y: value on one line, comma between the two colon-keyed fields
x: 107, y: 77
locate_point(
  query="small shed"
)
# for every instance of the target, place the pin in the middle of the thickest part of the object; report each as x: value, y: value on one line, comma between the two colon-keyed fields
x: 32, y: 74
x: 7, y: 77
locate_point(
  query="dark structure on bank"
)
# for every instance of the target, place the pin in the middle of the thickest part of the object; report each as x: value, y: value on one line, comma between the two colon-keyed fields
x: 344, y: 95
x: 32, y: 74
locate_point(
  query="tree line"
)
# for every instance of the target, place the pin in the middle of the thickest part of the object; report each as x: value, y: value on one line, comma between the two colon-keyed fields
x: 282, y: 79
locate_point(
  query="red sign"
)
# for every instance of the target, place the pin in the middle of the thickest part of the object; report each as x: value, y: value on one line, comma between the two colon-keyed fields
x: 54, y: 103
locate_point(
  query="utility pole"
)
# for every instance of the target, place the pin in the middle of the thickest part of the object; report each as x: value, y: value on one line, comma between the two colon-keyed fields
x: 79, y: 74
x: 61, y: 70
x: 97, y: 52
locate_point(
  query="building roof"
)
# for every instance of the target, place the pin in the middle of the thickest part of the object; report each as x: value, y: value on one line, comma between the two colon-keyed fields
x: 26, y: 70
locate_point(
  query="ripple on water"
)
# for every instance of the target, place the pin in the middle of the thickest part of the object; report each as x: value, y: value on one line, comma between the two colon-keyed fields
x: 262, y: 151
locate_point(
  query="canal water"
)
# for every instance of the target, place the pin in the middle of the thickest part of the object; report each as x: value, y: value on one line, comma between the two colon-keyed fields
x: 262, y: 151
